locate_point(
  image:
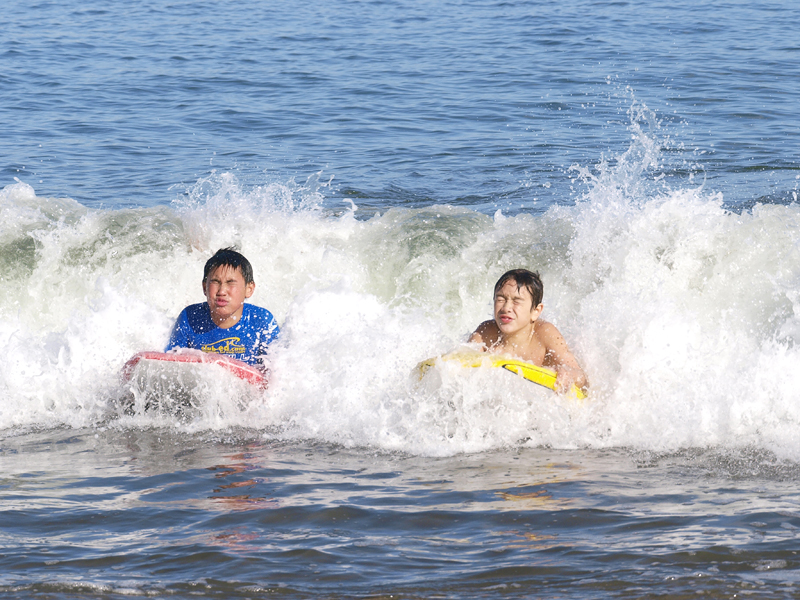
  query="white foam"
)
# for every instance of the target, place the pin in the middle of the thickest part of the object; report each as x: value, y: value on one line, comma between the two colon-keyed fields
x: 683, y: 314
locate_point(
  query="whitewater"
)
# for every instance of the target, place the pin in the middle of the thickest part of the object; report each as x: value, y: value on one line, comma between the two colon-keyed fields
x: 683, y: 313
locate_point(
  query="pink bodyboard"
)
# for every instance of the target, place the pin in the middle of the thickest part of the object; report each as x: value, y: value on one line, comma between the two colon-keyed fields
x: 248, y: 373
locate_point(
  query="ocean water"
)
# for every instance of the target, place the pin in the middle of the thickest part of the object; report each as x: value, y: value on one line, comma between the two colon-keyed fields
x: 382, y: 164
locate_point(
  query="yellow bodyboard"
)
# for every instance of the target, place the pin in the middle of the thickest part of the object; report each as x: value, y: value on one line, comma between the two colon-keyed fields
x: 539, y: 375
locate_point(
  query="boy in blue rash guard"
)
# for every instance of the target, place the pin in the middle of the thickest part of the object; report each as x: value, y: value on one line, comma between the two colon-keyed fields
x: 224, y: 324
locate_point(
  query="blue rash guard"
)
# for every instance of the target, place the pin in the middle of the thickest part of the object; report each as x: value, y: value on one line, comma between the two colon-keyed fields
x: 246, y: 341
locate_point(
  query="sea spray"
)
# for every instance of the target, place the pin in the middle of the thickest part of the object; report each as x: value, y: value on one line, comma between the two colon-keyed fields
x: 683, y: 313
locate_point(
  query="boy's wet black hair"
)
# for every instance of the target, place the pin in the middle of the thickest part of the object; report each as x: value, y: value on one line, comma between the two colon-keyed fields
x: 229, y: 257
x: 523, y: 278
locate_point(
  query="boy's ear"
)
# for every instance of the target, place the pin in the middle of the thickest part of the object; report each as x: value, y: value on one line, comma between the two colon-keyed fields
x: 537, y: 312
x: 203, y: 283
x: 249, y: 289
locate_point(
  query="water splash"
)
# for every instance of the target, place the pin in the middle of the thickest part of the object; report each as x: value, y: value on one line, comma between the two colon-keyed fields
x: 684, y: 314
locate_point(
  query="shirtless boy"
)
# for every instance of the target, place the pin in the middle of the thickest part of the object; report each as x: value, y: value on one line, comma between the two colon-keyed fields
x: 517, y: 329
x: 224, y: 324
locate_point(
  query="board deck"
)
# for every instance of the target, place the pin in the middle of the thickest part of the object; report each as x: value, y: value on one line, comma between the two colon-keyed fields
x: 533, y: 373
x: 242, y: 370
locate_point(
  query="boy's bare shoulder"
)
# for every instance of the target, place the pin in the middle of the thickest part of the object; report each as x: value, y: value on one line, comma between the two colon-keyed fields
x: 546, y: 327
x: 486, y: 333
x: 547, y: 332
x: 487, y: 327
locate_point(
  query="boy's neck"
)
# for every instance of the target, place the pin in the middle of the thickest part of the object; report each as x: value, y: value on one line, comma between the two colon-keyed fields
x: 518, y: 339
x: 227, y: 322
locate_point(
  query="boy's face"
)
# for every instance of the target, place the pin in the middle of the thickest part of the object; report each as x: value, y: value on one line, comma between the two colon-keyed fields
x: 225, y: 291
x: 513, y: 308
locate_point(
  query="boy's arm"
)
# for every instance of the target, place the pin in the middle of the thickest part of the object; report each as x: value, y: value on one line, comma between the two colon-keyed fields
x: 268, y: 332
x: 273, y: 331
x: 558, y: 355
x: 178, y: 338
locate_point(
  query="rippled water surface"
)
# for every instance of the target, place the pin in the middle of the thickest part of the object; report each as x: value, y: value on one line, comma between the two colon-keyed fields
x: 176, y: 515
x: 401, y: 102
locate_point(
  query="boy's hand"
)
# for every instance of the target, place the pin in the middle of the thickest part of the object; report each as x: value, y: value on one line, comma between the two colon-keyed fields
x: 566, y: 376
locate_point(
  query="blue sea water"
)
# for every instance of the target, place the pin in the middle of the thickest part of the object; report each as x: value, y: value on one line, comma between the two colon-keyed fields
x: 381, y: 163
